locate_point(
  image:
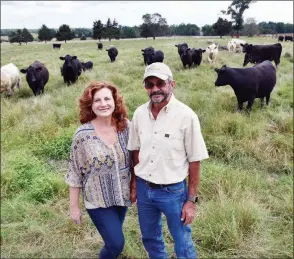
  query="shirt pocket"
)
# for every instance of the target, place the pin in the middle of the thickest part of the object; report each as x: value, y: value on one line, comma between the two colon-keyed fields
x: 173, y: 145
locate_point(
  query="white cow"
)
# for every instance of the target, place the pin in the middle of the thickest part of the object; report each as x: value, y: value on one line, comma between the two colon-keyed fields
x: 235, y: 45
x: 10, y: 78
x: 212, y: 51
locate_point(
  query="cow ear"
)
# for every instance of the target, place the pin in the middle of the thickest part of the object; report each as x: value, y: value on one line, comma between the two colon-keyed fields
x: 142, y: 50
x: 106, y: 49
x: 24, y: 71
x: 223, y: 68
x: 217, y: 70
x: 203, y: 50
x: 74, y: 57
x: 242, y: 44
x: 188, y: 48
x: 62, y: 58
x: 38, y: 69
x: 176, y: 45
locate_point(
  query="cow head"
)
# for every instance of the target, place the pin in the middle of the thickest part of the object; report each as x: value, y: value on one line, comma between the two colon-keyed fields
x: 182, y: 47
x: 247, y: 48
x: 222, y: 78
x: 213, y: 48
x: 34, y: 78
x: 68, y: 60
x: 83, y: 64
x: 248, y: 58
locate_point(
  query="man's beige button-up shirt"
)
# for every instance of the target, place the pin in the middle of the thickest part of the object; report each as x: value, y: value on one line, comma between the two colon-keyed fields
x: 166, y: 144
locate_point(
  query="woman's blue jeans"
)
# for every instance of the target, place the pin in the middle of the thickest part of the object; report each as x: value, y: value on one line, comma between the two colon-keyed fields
x: 108, y: 222
x: 169, y: 201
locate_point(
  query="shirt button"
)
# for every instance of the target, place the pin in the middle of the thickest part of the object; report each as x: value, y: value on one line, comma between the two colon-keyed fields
x: 153, y: 147
x: 151, y: 161
x: 155, y: 132
x: 149, y: 174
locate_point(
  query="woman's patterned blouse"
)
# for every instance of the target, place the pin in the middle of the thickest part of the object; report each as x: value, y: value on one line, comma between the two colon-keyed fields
x: 101, y: 171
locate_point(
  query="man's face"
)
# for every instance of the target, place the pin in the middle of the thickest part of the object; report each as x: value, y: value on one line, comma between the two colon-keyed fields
x: 158, y: 90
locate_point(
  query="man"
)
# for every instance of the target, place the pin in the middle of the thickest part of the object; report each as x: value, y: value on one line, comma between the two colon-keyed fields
x: 167, y: 146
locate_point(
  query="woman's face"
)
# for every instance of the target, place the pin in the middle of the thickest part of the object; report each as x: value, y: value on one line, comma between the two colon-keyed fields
x: 103, y: 103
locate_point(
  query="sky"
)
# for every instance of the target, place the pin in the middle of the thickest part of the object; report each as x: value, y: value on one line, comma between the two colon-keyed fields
x: 82, y: 14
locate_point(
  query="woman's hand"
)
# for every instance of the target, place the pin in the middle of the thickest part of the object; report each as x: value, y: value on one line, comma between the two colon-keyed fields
x: 76, y: 215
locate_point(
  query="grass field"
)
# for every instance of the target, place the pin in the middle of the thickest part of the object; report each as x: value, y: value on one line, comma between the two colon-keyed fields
x: 246, y: 208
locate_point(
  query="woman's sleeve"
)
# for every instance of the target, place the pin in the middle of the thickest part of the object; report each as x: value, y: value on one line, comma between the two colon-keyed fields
x: 74, y: 176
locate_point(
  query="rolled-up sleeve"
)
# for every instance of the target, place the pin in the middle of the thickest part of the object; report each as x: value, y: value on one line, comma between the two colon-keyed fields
x: 134, y: 140
x: 194, y: 142
x: 74, y: 176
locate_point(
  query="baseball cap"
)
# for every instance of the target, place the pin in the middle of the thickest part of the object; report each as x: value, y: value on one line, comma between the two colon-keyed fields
x: 159, y: 70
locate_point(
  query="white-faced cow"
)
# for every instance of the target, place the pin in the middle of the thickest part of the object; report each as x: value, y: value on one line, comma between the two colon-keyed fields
x: 71, y: 69
x: 249, y: 83
x: 10, y: 79
x: 212, y: 51
x: 37, y: 76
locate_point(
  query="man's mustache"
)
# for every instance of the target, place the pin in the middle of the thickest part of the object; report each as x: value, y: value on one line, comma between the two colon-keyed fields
x: 156, y: 93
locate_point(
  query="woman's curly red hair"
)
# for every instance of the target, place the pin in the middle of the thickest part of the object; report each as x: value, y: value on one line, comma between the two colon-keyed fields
x: 120, y: 114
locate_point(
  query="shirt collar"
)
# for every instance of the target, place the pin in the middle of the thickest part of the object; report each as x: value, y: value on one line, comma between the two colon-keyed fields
x: 167, y: 107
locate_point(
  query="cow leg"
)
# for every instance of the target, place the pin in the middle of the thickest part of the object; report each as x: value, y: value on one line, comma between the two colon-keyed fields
x: 267, y: 99
x: 249, y: 104
x: 240, y: 105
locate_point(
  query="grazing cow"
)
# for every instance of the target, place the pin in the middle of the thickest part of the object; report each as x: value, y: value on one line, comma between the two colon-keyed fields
x: 212, y: 51
x: 100, y: 45
x: 186, y: 57
x: 112, y: 53
x: 87, y: 65
x: 259, y: 53
x: 197, y: 56
x: 37, y: 76
x: 56, y: 45
x: 156, y: 56
x: 181, y: 48
x: 10, y: 78
x: 148, y: 50
x: 281, y: 38
x: 290, y: 38
x: 71, y: 69
x: 249, y: 83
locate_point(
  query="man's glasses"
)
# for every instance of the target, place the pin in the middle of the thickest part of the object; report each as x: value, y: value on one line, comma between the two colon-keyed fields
x: 150, y: 85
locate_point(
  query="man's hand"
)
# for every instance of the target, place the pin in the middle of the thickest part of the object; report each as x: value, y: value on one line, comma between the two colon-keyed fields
x: 188, y: 212
x: 133, y: 192
x: 76, y: 215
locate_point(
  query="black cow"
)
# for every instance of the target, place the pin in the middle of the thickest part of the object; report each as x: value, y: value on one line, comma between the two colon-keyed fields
x: 87, y: 65
x: 290, y: 38
x: 56, y: 45
x: 156, y: 56
x: 281, y: 38
x: 249, y: 83
x: 148, y: 50
x: 71, y: 69
x: 100, y: 45
x: 197, y: 56
x: 181, y: 47
x: 186, y: 57
x: 259, y: 53
x: 37, y: 76
x: 112, y: 53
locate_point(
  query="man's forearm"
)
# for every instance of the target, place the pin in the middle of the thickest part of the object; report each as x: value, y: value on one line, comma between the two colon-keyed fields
x: 194, y: 178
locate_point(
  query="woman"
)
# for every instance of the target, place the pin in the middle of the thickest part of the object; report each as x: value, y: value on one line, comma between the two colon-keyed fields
x: 100, y: 165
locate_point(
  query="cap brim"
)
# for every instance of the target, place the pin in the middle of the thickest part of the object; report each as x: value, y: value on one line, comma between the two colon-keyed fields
x: 161, y: 76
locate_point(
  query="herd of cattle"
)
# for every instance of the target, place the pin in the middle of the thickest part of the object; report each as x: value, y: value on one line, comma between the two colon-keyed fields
x: 287, y: 38
x: 248, y: 83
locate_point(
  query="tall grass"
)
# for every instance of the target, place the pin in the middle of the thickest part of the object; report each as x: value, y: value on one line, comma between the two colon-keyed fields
x: 246, y: 207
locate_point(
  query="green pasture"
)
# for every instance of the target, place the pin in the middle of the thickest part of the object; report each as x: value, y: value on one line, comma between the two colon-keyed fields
x: 246, y: 189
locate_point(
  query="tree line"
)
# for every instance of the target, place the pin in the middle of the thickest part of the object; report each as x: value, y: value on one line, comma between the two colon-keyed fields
x: 154, y: 25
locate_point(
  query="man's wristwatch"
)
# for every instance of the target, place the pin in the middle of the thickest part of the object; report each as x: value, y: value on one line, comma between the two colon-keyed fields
x: 193, y: 199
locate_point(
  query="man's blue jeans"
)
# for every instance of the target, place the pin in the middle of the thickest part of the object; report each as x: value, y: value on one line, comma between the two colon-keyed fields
x: 169, y: 201
x: 108, y: 222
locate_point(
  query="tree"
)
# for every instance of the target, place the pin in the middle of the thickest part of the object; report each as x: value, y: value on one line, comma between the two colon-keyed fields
x: 27, y: 36
x: 250, y: 28
x: 128, y: 32
x: 236, y: 10
x: 108, y: 30
x: 45, y: 34
x: 98, y: 30
x: 16, y: 36
x: 207, y: 30
x: 222, y: 27
x: 115, y: 31
x: 64, y: 33
x: 152, y: 25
